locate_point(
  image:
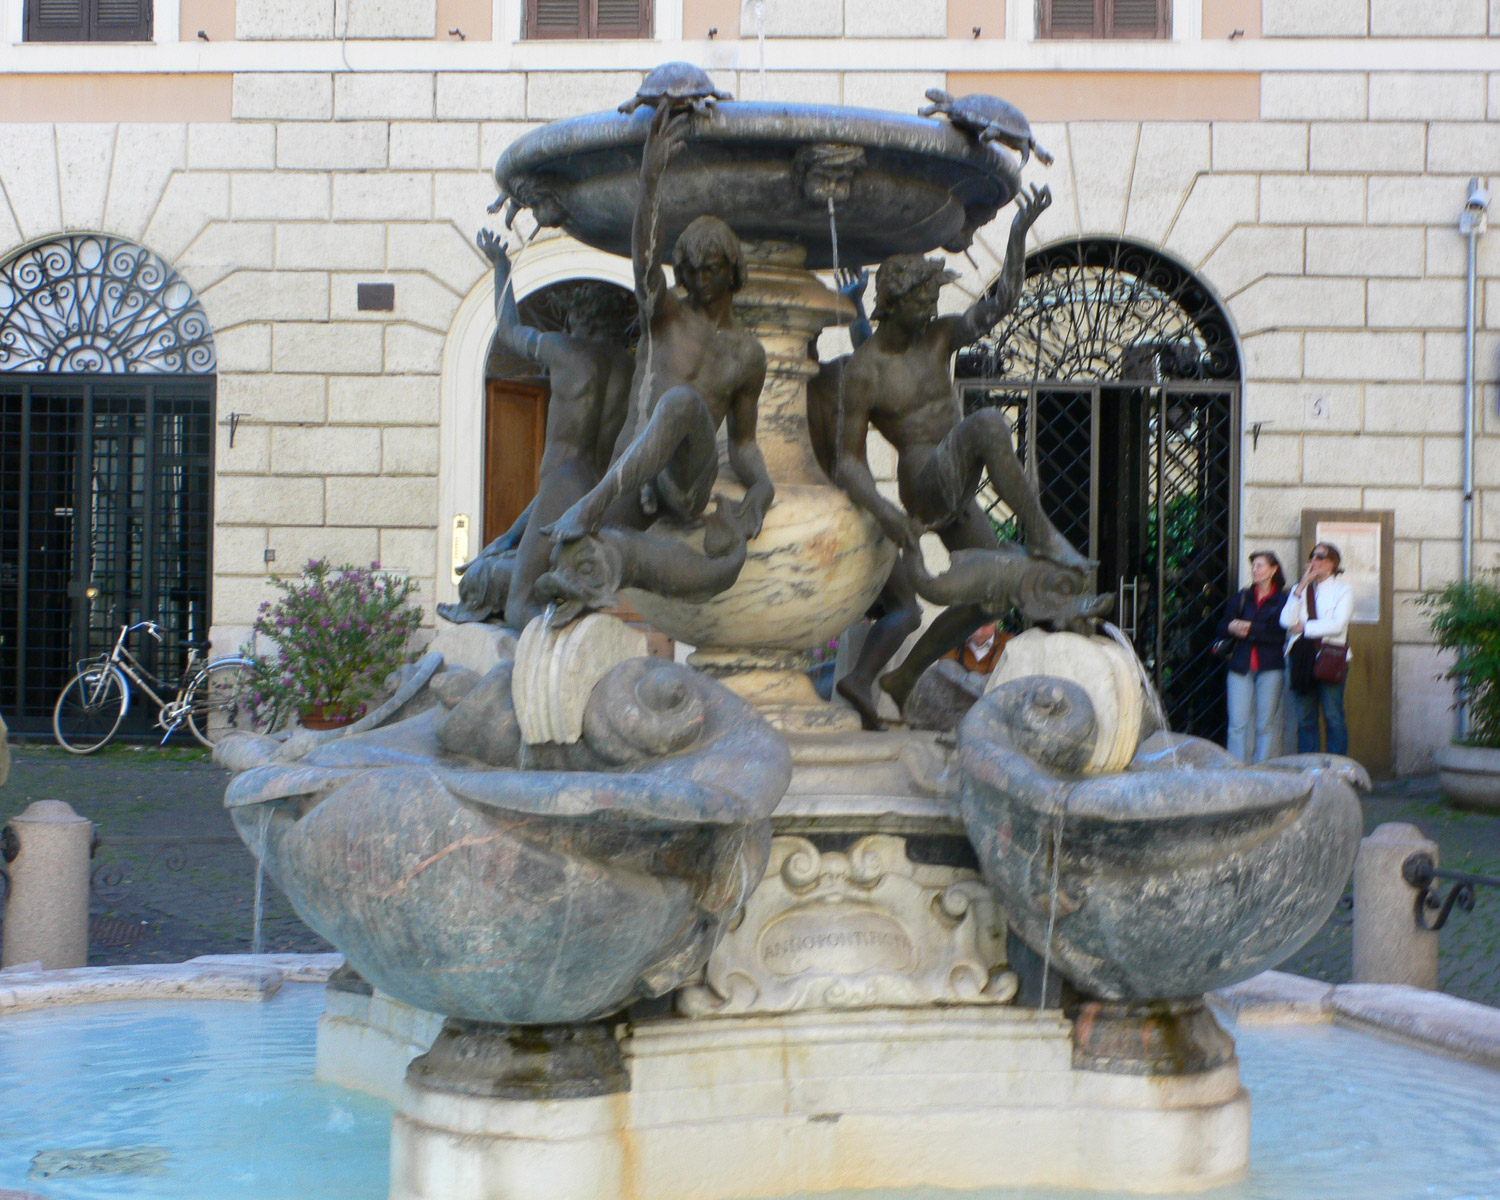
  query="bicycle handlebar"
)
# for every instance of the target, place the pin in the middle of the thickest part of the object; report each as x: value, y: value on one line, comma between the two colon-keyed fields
x: 149, y: 626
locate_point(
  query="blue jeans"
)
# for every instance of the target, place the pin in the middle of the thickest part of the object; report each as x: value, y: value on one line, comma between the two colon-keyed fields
x: 1330, y: 698
x: 1255, y: 704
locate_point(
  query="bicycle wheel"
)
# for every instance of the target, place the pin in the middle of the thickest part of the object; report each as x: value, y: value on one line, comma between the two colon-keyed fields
x: 89, y: 709
x: 216, y: 701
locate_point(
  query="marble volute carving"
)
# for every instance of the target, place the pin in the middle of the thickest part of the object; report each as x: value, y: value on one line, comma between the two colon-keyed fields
x: 860, y: 928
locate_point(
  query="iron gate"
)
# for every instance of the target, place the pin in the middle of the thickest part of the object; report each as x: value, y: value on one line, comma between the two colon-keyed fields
x: 106, y: 517
x: 1120, y: 378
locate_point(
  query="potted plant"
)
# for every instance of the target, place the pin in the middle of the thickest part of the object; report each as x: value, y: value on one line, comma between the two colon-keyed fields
x: 338, y: 632
x: 1465, y: 618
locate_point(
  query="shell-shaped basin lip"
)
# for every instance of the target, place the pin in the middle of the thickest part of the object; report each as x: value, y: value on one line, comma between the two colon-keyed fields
x: 1188, y: 794
x: 736, y: 773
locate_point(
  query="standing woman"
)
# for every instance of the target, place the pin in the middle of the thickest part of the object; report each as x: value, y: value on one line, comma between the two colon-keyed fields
x: 1317, y: 613
x: 1256, y: 667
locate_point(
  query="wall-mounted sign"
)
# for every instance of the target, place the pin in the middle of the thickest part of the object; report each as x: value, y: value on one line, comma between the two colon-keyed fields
x: 1358, y: 544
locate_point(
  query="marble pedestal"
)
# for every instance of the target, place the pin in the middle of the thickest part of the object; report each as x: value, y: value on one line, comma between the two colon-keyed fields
x: 856, y: 1029
x: 954, y: 1097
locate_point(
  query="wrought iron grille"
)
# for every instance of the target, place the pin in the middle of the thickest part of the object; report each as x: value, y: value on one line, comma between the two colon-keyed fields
x: 1119, y: 375
x: 105, y: 483
x: 93, y: 304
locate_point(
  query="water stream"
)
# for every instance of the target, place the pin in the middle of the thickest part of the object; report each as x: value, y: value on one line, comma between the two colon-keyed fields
x: 1057, y: 836
x: 1148, y: 689
x: 258, y: 904
x: 833, y: 237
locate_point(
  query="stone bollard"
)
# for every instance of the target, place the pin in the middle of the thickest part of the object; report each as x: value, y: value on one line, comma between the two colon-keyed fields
x: 1389, y: 945
x: 47, y: 902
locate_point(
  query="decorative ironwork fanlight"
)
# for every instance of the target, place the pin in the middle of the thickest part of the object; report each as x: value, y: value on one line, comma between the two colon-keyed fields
x: 1107, y: 310
x: 95, y: 304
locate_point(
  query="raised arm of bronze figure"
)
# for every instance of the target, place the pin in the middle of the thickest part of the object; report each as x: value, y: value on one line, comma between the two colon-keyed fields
x: 986, y: 312
x: 521, y: 340
x: 664, y: 142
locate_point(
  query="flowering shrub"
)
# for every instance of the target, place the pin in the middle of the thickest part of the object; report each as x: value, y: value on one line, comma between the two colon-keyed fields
x: 340, y: 631
x: 1465, y: 617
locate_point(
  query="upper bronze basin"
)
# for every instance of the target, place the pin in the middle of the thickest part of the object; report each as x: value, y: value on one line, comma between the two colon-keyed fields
x: 898, y: 183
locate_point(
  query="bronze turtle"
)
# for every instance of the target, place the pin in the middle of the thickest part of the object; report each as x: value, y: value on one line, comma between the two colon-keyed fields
x: 681, y: 84
x: 989, y: 118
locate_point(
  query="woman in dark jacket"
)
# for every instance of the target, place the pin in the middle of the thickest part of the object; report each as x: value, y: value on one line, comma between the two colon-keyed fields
x: 1257, y: 675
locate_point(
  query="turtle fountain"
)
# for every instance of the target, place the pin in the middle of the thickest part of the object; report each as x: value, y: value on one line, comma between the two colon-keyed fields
x: 623, y: 928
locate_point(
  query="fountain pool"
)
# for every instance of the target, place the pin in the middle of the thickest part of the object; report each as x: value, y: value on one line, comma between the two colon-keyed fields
x: 205, y: 1100
x: 215, y: 1100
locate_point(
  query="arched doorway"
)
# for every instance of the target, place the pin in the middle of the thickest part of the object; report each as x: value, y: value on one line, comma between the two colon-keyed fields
x: 1121, y: 378
x: 106, y: 463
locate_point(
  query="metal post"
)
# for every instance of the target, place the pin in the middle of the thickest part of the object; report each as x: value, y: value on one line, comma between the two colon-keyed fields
x: 1471, y: 224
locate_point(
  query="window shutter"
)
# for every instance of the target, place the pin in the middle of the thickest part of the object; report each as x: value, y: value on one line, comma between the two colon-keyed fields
x: 1106, y: 18
x: 622, y: 18
x: 1072, y: 18
x: 122, y: 21
x: 57, y: 21
x: 556, y: 18
x: 1138, y: 18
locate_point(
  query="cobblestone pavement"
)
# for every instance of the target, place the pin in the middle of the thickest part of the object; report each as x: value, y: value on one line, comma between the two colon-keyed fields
x: 1469, y: 949
x: 173, y: 880
x: 171, y: 877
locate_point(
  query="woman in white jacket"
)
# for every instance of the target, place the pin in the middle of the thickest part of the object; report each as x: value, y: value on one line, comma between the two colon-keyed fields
x: 1333, y: 600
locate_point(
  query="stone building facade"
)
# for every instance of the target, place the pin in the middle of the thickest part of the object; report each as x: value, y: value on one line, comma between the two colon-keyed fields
x: 1307, y: 162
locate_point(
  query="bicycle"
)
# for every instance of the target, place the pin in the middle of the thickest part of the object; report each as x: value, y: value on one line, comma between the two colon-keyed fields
x: 209, y: 695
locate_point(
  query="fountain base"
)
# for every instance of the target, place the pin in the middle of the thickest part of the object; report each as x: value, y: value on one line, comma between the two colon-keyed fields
x: 856, y: 1028
x: 880, y: 1098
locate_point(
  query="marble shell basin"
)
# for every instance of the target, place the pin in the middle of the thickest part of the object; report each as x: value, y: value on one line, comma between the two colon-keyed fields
x: 518, y: 896
x: 1185, y: 873
x: 814, y: 569
x: 915, y: 183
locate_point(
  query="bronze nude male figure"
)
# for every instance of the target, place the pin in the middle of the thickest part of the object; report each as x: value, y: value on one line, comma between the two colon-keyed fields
x: 590, y: 372
x: 696, y: 367
x: 899, y: 381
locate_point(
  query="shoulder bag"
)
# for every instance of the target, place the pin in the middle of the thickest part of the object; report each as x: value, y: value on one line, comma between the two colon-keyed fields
x: 1302, y: 656
x: 1223, y: 648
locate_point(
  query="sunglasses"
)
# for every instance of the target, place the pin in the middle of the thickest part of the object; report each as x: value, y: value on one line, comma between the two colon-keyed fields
x: 1316, y: 554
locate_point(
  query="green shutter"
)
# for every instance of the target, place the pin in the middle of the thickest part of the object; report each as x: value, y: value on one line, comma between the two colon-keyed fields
x: 57, y: 21
x: 556, y: 18
x: 622, y: 19
x: 122, y: 20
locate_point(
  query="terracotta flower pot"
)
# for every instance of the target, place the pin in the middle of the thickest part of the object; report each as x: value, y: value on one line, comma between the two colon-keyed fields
x: 329, y: 716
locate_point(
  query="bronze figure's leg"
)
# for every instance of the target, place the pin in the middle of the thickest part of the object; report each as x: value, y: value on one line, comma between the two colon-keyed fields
x: 984, y: 438
x: 677, y: 442
x: 900, y: 614
x: 944, y: 634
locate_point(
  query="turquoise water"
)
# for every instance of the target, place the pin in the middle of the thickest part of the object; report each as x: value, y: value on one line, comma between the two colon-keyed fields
x: 216, y: 1101
x: 190, y: 1100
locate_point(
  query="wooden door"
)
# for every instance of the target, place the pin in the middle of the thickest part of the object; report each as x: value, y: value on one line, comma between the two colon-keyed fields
x: 515, y: 430
x: 1367, y: 541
